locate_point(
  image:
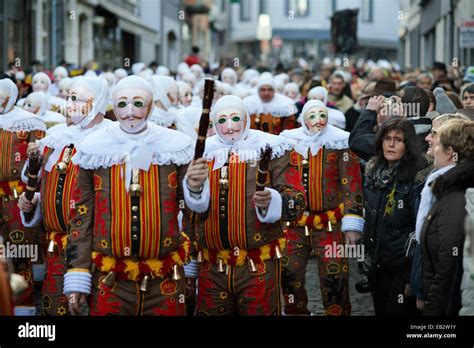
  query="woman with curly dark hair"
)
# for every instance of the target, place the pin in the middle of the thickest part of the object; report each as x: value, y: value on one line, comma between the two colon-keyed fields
x: 391, y: 193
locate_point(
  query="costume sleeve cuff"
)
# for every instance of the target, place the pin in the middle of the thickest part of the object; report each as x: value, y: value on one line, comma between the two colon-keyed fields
x: 77, y: 282
x: 38, y: 272
x: 273, y: 213
x: 24, y: 172
x: 197, y: 203
x: 352, y: 223
x: 37, y: 217
x: 191, y: 269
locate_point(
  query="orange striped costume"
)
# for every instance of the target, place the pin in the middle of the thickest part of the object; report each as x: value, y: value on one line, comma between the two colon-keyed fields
x: 332, y: 182
x: 230, y: 235
x: 123, y: 233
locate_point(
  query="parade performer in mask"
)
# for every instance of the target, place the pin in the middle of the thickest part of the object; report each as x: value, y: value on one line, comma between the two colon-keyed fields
x: 333, y: 216
x: 18, y: 127
x: 86, y: 105
x: 125, y: 249
x: 238, y: 238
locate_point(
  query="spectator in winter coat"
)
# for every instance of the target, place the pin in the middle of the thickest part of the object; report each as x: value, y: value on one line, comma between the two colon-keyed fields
x: 391, y: 190
x: 442, y: 234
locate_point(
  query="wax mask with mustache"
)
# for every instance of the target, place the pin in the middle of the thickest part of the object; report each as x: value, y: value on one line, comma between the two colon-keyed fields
x: 230, y: 124
x: 132, y: 106
x: 316, y: 119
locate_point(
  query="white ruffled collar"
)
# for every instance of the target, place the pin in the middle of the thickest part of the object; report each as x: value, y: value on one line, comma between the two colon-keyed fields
x: 163, y: 118
x: 112, y: 146
x: 248, y: 149
x: 331, y: 137
x: 18, y: 119
x: 280, y: 106
x: 58, y: 140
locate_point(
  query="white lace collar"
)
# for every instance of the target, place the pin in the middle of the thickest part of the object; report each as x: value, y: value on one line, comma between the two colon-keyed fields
x: 156, y: 145
x: 331, y: 137
x: 58, y: 140
x: 18, y: 119
x: 280, y: 106
x: 163, y: 118
x: 248, y: 149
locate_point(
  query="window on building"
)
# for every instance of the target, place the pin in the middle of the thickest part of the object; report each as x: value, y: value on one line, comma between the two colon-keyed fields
x: 223, y: 3
x: 245, y: 10
x: 367, y: 11
x: 299, y: 8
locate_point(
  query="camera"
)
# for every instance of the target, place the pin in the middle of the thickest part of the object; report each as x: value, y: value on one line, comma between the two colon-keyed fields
x: 367, y: 268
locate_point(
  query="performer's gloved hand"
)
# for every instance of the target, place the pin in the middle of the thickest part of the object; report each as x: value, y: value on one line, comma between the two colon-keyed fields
x: 352, y: 237
x: 262, y: 199
x: 197, y: 174
x: 77, y: 303
x: 25, y: 205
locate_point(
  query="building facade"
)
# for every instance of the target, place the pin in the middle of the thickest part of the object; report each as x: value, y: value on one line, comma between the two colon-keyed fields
x: 114, y: 33
x: 436, y: 30
x: 304, y: 26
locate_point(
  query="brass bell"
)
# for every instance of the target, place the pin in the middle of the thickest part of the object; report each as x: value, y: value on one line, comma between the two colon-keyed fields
x: 51, y: 246
x: 329, y: 226
x: 305, y: 163
x: 307, y: 232
x: 224, y: 184
x: 199, y: 258
x: 61, y: 167
x: 220, y: 266
x: 278, y: 254
x: 288, y: 224
x: 176, y: 275
x: 109, y: 279
x: 15, y: 193
x: 257, y: 119
x: 135, y: 190
x: 252, y: 266
x: 144, y: 284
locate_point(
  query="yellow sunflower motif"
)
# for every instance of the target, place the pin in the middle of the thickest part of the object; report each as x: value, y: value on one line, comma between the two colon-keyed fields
x: 297, y: 285
x: 62, y: 310
x: 82, y: 209
x: 344, y: 181
x: 257, y: 237
x: 167, y: 242
x: 104, y: 244
x: 344, y: 268
x: 223, y: 295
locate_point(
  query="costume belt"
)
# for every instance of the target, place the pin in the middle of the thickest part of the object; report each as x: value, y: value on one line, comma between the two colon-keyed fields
x: 57, y: 239
x: 11, y: 189
x: 239, y: 257
x: 125, y: 268
x: 321, y: 220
